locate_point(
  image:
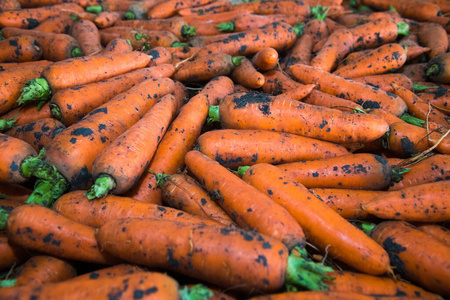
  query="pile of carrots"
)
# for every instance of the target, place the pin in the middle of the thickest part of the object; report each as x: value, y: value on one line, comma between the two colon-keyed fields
x: 208, y: 149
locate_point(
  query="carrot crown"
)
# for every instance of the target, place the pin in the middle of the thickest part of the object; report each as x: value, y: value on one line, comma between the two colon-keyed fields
x: 35, y: 90
x: 6, y: 282
x: 433, y: 70
x: 226, y: 26
x: 102, y: 186
x: 419, y: 88
x: 196, y: 292
x: 319, y: 12
x: 129, y: 16
x: 213, y: 114
x: 95, y: 9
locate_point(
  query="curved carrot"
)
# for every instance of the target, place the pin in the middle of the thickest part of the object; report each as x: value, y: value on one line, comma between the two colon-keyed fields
x: 325, y: 228
x: 160, y: 56
x: 415, y: 255
x: 260, y: 111
x: 411, y: 43
x: 433, y: 36
x: 300, y: 53
x: 77, y: 207
x: 20, y: 49
x: 298, y: 93
x: 58, y: 23
x: 246, y: 74
x: 12, y: 254
x: 265, y: 59
x: 169, y: 157
x: 438, y: 98
x: 217, y: 88
x: 247, y: 206
x: 437, y: 68
x: 415, y: 9
x: 440, y: 233
x: 38, y: 133
x: 234, y: 148
x: 405, y: 139
x: 87, y: 35
x: 365, y: 95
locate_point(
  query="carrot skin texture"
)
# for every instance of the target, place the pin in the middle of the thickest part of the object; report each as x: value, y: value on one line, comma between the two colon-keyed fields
x: 433, y: 36
x: 264, y: 215
x: 441, y: 233
x: 77, y: 207
x: 217, y: 88
x: 20, y: 49
x: 35, y: 227
x: 366, y: 96
x: 14, y: 151
x: 415, y: 255
x: 374, y: 34
x: 237, y: 251
x: 87, y: 35
x: 348, y: 244
x: 249, y: 147
x: 265, y: 59
x: 99, y: 128
x: 11, y: 254
x: 384, y: 81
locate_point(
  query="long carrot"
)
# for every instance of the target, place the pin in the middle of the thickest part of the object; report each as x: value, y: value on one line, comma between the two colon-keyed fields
x: 319, y: 98
x: 249, y: 147
x: 87, y: 35
x: 20, y: 49
x: 277, y: 82
x: 247, y: 206
x: 254, y: 110
x: 212, y: 8
x: 169, y: 157
x: 243, y: 22
x: 438, y: 98
x: 385, y: 81
x: 300, y: 9
x: 178, y: 26
x: 300, y: 53
x: 324, y: 227
x: 58, y: 23
x: 77, y: 207
x: 139, y: 10
x: 437, y: 231
x: 12, y: 254
x: 82, y: 70
x: 169, y: 8
x: 38, y: 228
x: 66, y: 104
x: 7, y: 66
x: 365, y: 95
x: 109, y: 272
x: 420, y: 203
x: 433, y: 36
x: 415, y: 255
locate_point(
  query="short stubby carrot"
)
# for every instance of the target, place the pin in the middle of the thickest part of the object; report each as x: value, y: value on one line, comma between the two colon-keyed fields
x: 248, y: 207
x: 324, y: 228
x: 415, y: 255
x: 249, y: 147
x: 260, y: 111
x: 20, y: 49
x: 420, y: 203
x: 108, y: 18
x: 365, y: 95
x: 360, y: 171
x: 118, y: 45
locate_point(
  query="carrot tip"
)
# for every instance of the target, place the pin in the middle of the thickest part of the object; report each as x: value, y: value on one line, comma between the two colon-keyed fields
x: 102, y: 186
x: 198, y: 291
x: 35, y: 90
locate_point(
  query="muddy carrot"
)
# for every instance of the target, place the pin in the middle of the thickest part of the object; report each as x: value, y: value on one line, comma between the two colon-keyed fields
x: 140, y: 9
x: 438, y: 98
x: 109, y: 272
x: 406, y: 139
x: 7, y: 66
x: 406, y: 246
x: 118, y: 45
x: 277, y: 82
x: 217, y: 88
x: 109, y: 5
x: 266, y: 59
x: 212, y: 8
x: 247, y: 75
x: 12, y: 255
x: 177, y: 26
x: 415, y: 9
x: 323, y: 99
x: 437, y: 231
x: 169, y: 8
x: 27, y: 114
x: 302, y: 9
x: 437, y: 68
x: 87, y: 35
x: 362, y: 94
x: 10, y: 5
x: 385, y: 81
x: 243, y: 22
x: 57, y: 24
x: 415, y: 71
x: 411, y: 42
x: 20, y: 49
x: 433, y: 36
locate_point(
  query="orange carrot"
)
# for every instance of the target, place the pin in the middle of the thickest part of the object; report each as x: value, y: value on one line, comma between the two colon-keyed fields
x: 10, y: 5
x: 12, y: 254
x: 300, y: 53
x: 246, y: 74
x: 139, y: 10
x: 212, y: 8
x: 277, y: 82
x: 300, y: 9
x: 323, y: 99
x: 406, y: 139
x: 58, y: 23
x: 385, y: 81
x: 413, y: 9
x: 437, y: 68
x: 440, y: 233
x: 247, y: 206
x: 218, y: 18
x: 169, y: 157
x: 77, y: 207
x: 265, y: 59
x: 298, y: 93
x: 411, y: 43
x: 341, y: 240
x: 254, y: 110
x: 109, y: 272
x: 362, y: 94
x: 20, y: 49
x: 87, y: 35
x: 438, y: 98
x: 243, y: 22
x: 217, y: 88
x: 415, y: 255
x: 110, y: 5
x: 433, y: 36
x: 139, y: 37
x: 14, y: 153
x: 326, y: 295
x: 415, y: 71
x: 108, y: 18
x: 169, y: 8
x: 249, y: 147
x: 118, y: 45
x: 177, y: 26
x: 7, y: 66
x: 136, y: 38
x: 27, y: 114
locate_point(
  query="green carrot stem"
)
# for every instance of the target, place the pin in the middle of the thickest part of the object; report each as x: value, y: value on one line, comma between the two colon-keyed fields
x: 299, y: 29
x: 196, y: 292
x: 412, y: 120
x: 3, y: 216
x: 42, y: 193
x: 187, y: 31
x: 161, y: 178
x: 237, y: 60
x: 402, y: 28
x: 7, y: 282
x: 74, y: 17
x: 6, y: 124
x: 213, y: 114
x: 419, y: 88
x: 226, y: 26
x: 178, y: 44
x: 102, y: 186
x: 95, y: 9
x: 397, y: 173
x: 140, y: 36
x: 319, y: 12
x: 433, y: 70
x: 34, y: 90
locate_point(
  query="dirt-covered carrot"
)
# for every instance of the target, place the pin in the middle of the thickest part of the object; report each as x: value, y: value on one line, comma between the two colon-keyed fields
x: 319, y: 98
x: 441, y: 233
x: 38, y: 133
x: 277, y: 82
x: 411, y: 43
x: 249, y: 147
x: 247, y: 206
x: 58, y: 23
x: 413, y: 9
x: 108, y: 18
x: 341, y: 240
x: 300, y: 53
x: 177, y: 26
x: 438, y: 98
x: 109, y: 272
x: 77, y: 207
x: 385, y: 81
x: 7, y: 66
x: 118, y: 45
x: 300, y: 9
x: 110, y: 5
x: 38, y: 228
x: 20, y: 49
x: 138, y: 36
x: 217, y: 88
x: 212, y: 8
x: 87, y: 35
x: 140, y: 9
x: 67, y: 107
x: 169, y: 157
x: 415, y: 71
x: 297, y: 93
x: 55, y: 46
x: 438, y: 68
x: 206, y: 29
x: 243, y: 22
x: 12, y: 255
x: 433, y: 36
x: 406, y: 139
x: 254, y: 110
x: 78, y: 71
x: 10, y: 5
x: 135, y: 37
x: 14, y: 191
x: 27, y: 114
x: 265, y: 59
x: 168, y: 8
x: 415, y: 255
x: 419, y: 203
x: 365, y: 95
x: 246, y: 74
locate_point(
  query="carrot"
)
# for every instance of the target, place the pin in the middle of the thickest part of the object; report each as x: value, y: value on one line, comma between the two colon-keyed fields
x: 243, y: 22
x: 205, y: 67
x: 420, y: 203
x: 437, y: 68
x: 212, y: 8
x: 108, y: 18
x: 20, y: 49
x: 38, y: 228
x: 440, y: 233
x: 202, y: 41
x: 12, y: 255
x: 169, y: 157
x: 438, y: 98
x: 325, y: 295
x: 87, y: 35
x: 12, y: 191
x: 413, y: 9
x: 39, y: 3
x: 82, y: 70
x: 365, y: 95
x: 218, y: 18
x: 317, y: 29
x: 139, y: 10
x: 67, y: 107
x: 55, y: 46
x: 217, y: 88
x: 137, y: 39
x: 443, y: 5
x: 183, y: 192
x: 206, y: 29
x: 433, y: 36
x: 385, y: 81
x: 177, y: 26
x: 77, y: 207
x: 298, y: 93
x: 265, y: 59
x: 12, y: 81
x: 118, y: 45
x: 169, y: 8
x: 118, y: 167
x: 336, y: 47
x: 277, y: 82
x: 109, y: 272
x: 411, y: 43
x: 319, y: 98
x: 247, y: 206
x: 38, y: 133
x: 341, y: 240
x: 31, y: 17
x: 144, y: 285
x: 110, y: 5
x: 9, y: 5
x: 415, y: 71
x: 246, y: 74
x: 89, y: 136
x: 249, y: 147
x: 58, y: 23
x: 300, y: 53
x: 8, y: 66
x: 278, y: 35
x: 406, y: 140
x: 388, y: 57
x: 27, y: 114
x: 415, y: 255
x: 254, y: 110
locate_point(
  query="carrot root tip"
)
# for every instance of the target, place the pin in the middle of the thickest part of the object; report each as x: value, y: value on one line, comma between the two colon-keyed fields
x: 102, y: 186
x: 402, y: 28
x: 35, y: 90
